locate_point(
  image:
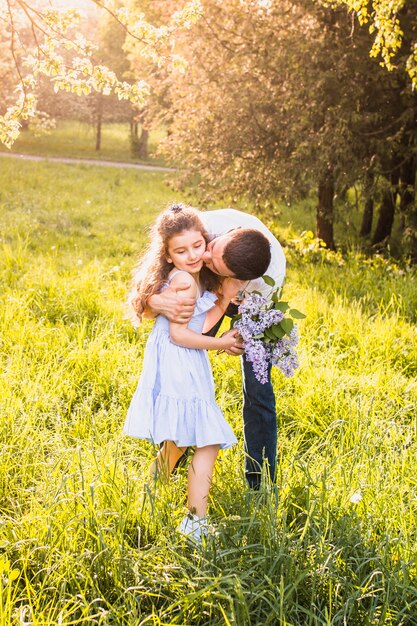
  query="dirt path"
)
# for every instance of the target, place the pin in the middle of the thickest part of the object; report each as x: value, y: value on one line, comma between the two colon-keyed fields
x: 137, y: 166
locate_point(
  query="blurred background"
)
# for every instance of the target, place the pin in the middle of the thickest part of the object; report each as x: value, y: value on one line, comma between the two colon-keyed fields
x: 273, y: 102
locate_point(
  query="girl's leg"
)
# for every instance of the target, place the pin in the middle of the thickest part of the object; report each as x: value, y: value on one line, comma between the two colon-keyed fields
x: 166, y: 460
x: 200, y: 473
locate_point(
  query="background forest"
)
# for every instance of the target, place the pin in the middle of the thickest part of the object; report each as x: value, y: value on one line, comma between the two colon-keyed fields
x: 269, y: 100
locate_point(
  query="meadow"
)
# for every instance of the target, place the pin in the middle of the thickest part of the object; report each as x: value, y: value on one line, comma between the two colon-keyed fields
x: 73, y: 138
x: 84, y: 538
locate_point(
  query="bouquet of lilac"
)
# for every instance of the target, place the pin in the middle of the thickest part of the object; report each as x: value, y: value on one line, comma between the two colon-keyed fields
x: 269, y: 334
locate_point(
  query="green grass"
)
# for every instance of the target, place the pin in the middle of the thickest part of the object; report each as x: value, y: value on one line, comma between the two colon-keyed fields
x: 83, y: 538
x: 74, y: 139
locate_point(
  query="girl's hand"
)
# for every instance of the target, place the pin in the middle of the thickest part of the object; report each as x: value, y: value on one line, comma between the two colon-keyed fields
x: 230, y: 339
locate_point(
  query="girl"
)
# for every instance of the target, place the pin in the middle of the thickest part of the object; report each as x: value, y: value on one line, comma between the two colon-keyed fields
x: 174, y: 402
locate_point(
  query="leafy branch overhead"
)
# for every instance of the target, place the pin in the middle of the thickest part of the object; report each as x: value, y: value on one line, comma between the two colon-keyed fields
x: 38, y: 39
x: 36, y: 42
x: 388, y: 20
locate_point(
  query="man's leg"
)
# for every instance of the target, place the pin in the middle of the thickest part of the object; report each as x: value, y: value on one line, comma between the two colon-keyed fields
x: 260, y: 425
x: 259, y: 418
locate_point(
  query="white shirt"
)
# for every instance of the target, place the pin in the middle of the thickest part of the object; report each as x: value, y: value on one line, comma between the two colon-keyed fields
x: 220, y: 221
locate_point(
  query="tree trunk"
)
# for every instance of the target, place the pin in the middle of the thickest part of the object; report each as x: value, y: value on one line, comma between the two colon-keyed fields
x: 409, y: 207
x: 387, y: 209
x: 142, y: 145
x: 98, y: 134
x: 139, y: 144
x: 324, y: 216
x: 98, y: 119
x: 134, y: 128
x: 407, y: 185
x: 368, y: 211
x: 367, y: 218
x: 410, y: 233
x: 385, y: 218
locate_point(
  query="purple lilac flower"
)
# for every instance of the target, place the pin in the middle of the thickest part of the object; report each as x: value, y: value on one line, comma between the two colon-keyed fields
x: 247, y: 328
x: 252, y: 304
x: 256, y: 352
x: 256, y: 316
x: 294, y: 336
x: 288, y: 364
x: 284, y: 357
x: 269, y: 318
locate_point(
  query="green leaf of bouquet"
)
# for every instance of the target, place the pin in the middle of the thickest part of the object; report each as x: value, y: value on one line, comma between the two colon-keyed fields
x: 278, y: 331
x: 259, y: 336
x: 287, y: 325
x: 282, y: 306
x: 296, y: 314
x: 268, y: 280
x: 269, y: 334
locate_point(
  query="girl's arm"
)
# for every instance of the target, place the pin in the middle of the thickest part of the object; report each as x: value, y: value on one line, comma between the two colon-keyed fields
x: 183, y: 336
x: 186, y: 338
x: 228, y: 290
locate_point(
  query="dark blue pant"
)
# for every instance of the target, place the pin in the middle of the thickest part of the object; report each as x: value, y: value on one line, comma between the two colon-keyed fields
x: 259, y: 420
x: 259, y: 424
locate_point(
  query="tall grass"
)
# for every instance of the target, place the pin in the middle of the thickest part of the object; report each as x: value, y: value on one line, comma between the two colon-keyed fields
x: 84, y: 538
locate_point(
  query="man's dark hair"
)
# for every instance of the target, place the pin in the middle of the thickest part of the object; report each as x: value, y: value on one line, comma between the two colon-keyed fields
x: 247, y: 254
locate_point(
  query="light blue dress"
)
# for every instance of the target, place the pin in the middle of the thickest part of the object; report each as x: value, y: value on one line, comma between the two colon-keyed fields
x: 174, y: 399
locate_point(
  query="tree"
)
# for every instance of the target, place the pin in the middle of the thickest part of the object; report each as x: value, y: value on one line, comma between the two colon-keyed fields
x: 58, y: 50
x: 282, y: 97
x: 394, y: 25
x: 269, y: 103
x: 111, y: 36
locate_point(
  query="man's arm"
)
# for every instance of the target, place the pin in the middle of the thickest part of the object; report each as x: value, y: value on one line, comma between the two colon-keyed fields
x: 174, y: 303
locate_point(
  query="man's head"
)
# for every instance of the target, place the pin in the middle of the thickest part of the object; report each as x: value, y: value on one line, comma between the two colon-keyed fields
x: 243, y: 253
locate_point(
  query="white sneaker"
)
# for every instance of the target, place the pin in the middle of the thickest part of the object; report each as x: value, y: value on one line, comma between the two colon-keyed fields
x: 194, y: 527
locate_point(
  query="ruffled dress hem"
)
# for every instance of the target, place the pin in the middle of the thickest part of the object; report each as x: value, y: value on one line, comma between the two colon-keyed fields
x: 185, y: 421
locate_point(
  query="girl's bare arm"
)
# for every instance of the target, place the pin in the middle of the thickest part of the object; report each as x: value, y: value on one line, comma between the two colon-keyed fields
x: 228, y: 290
x: 183, y: 336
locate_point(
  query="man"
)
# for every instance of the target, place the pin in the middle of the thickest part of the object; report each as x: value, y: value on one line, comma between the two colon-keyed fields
x: 243, y: 248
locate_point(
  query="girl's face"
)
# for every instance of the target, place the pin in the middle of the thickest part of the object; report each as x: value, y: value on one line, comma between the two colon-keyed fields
x: 185, y: 251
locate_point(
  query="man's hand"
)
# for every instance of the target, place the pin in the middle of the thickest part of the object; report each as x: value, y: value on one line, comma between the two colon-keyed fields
x: 172, y: 304
x: 230, y: 287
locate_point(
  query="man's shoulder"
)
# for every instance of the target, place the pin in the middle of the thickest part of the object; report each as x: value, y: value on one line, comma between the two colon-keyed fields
x: 228, y: 219
x: 216, y: 213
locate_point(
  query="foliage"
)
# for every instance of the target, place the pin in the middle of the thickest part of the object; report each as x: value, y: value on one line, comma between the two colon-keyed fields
x: 235, y: 123
x: 388, y: 19
x: 313, y: 249
x: 260, y: 109
x: 54, y: 47
x: 84, y: 540
x: 282, y: 98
